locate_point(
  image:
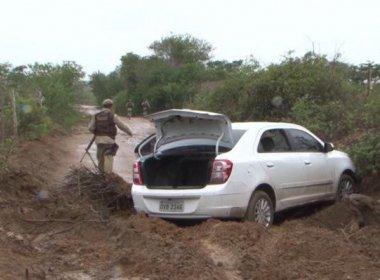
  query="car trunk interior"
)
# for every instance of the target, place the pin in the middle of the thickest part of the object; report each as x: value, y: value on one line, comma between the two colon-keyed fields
x: 178, y: 171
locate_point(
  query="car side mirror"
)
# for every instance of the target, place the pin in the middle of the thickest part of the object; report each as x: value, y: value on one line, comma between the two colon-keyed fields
x: 328, y: 147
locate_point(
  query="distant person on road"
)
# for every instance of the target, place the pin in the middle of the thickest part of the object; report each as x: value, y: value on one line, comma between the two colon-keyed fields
x: 129, y: 106
x: 40, y: 98
x: 103, y: 125
x: 145, y: 106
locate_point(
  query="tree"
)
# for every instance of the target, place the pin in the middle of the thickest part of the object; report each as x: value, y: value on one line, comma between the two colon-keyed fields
x: 181, y: 49
x: 129, y: 70
x: 98, y: 84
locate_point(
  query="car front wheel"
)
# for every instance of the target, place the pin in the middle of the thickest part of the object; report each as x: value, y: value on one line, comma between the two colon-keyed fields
x: 260, y: 209
x: 346, y: 186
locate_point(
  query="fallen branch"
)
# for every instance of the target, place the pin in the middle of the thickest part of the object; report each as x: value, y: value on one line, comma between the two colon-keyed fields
x: 61, y: 231
x: 59, y: 221
x: 108, y: 190
x: 345, y: 234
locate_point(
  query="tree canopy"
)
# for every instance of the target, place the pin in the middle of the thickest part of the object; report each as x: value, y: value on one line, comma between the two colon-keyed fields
x: 181, y: 49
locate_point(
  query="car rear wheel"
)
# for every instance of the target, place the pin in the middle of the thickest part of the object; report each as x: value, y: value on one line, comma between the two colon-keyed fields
x: 346, y: 186
x: 260, y: 209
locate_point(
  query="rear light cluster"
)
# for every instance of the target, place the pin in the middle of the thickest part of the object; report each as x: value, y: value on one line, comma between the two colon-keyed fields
x: 221, y: 171
x: 137, y: 174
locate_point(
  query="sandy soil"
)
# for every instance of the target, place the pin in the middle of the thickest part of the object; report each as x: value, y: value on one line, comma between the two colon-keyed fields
x: 61, y: 233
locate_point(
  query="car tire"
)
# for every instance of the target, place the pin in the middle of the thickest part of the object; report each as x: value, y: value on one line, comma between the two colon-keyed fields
x: 260, y: 209
x: 346, y: 186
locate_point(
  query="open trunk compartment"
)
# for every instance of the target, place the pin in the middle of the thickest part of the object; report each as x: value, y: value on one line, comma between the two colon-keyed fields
x: 178, y: 171
x: 181, y: 152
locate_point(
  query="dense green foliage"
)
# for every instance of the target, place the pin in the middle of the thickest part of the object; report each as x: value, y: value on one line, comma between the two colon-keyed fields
x: 366, y: 154
x: 169, y: 78
x: 60, y: 85
x: 330, y: 97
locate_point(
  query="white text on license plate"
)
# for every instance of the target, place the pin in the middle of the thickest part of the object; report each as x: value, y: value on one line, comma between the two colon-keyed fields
x: 168, y: 205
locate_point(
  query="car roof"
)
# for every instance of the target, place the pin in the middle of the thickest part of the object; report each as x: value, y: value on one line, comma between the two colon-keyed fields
x: 259, y: 125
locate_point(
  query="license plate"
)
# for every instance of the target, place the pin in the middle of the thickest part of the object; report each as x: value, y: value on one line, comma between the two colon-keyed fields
x: 171, y: 205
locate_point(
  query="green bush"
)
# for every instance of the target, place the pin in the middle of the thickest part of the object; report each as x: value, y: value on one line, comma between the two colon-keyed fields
x: 61, y: 86
x: 371, y: 110
x: 366, y: 154
x: 228, y: 99
x: 330, y: 121
x: 6, y: 149
x: 33, y: 120
x: 120, y: 101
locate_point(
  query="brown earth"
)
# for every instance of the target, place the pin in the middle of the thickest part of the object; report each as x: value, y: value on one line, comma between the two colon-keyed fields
x: 64, y: 231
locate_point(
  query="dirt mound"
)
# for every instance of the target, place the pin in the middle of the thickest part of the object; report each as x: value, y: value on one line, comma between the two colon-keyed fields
x: 156, y: 249
x: 371, y: 185
x: 334, y: 217
x: 339, y: 216
x: 18, y: 183
x: 108, y: 191
x: 296, y: 251
x: 293, y: 250
x: 54, y: 231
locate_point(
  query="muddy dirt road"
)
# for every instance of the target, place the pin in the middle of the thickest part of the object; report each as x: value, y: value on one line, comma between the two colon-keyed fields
x: 65, y: 235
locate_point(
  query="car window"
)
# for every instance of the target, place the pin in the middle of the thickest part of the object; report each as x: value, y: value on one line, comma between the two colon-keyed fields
x: 272, y: 141
x: 303, y: 141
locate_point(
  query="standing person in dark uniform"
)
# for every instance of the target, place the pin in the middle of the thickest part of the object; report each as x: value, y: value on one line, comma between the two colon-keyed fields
x: 129, y: 106
x: 103, y: 126
x: 145, y: 106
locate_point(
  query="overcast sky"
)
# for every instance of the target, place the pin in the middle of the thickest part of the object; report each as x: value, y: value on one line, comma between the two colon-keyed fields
x: 96, y: 33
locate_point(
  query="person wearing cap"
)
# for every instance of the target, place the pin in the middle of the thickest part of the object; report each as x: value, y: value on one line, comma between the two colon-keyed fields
x: 145, y: 106
x: 129, y: 107
x: 104, y: 126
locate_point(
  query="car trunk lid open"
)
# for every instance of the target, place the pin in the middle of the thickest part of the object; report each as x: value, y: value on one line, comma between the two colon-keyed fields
x: 184, y: 149
x: 182, y: 124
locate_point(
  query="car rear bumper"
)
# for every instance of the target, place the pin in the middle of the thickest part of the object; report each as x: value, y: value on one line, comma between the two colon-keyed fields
x: 209, y: 202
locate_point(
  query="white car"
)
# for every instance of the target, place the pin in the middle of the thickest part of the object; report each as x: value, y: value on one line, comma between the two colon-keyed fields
x: 199, y: 165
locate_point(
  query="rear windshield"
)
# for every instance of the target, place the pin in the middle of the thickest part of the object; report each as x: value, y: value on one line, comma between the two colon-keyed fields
x: 237, y: 134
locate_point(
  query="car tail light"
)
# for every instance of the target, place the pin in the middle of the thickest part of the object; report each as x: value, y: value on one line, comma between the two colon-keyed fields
x: 137, y: 174
x: 221, y: 171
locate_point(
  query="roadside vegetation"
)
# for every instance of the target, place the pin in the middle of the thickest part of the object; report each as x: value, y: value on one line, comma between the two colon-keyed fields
x: 338, y: 101
x: 35, y: 99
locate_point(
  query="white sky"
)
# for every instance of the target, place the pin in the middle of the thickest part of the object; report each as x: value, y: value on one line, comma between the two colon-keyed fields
x: 96, y: 33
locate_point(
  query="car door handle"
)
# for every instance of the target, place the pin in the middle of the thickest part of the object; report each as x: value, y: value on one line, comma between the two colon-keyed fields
x: 269, y: 164
x: 307, y: 162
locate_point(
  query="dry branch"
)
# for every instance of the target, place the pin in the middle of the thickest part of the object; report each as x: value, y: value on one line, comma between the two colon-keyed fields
x: 106, y: 190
